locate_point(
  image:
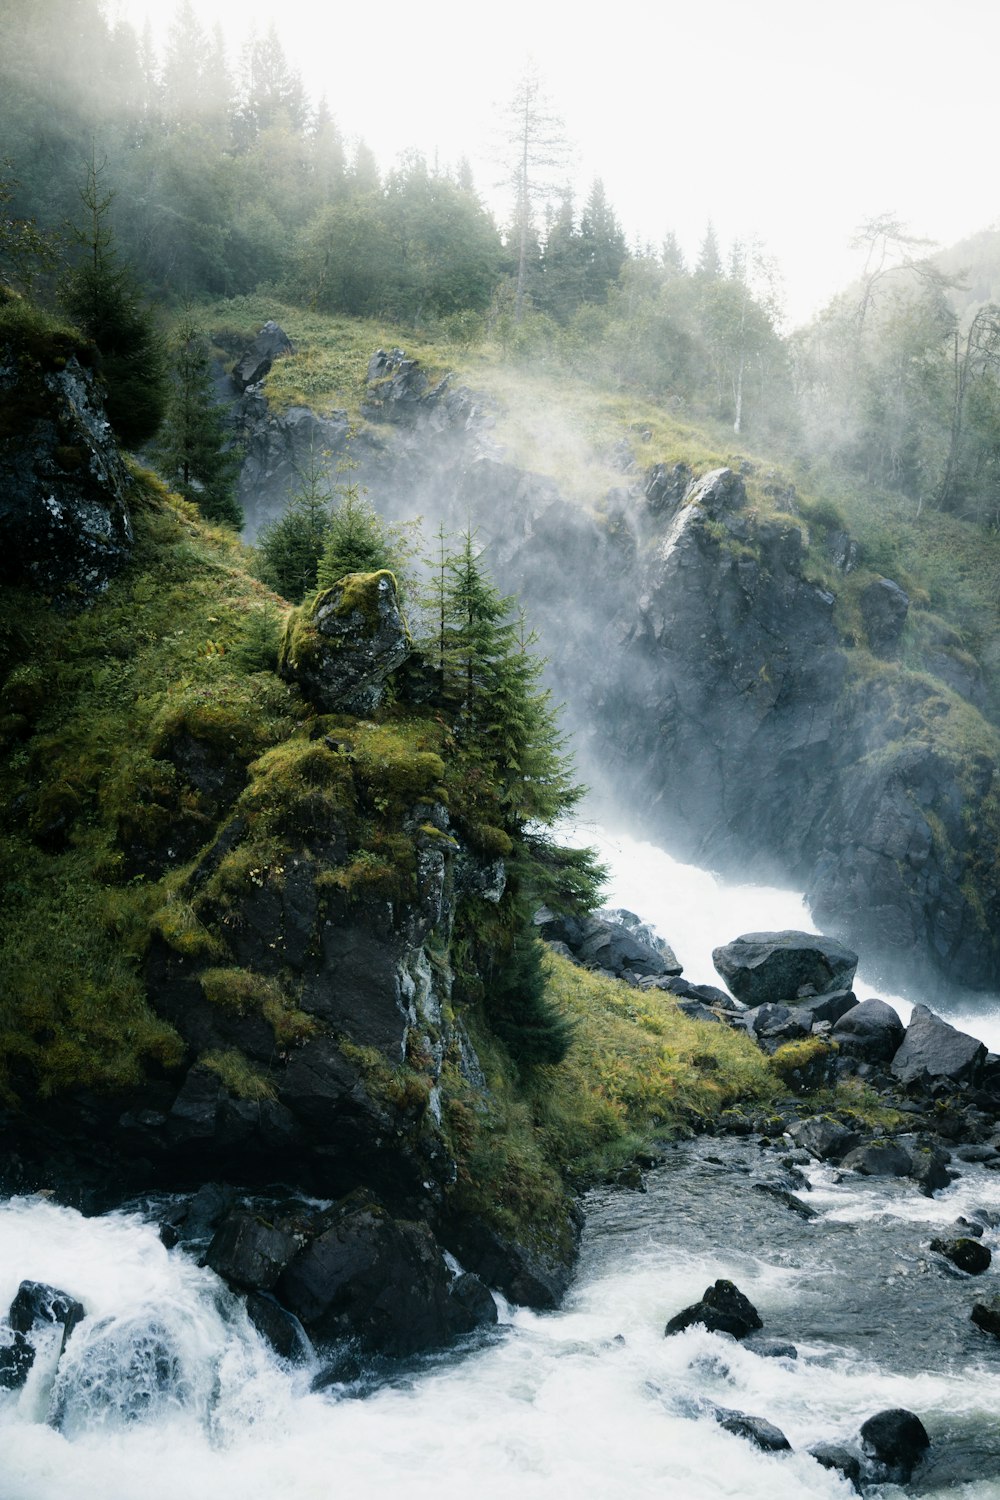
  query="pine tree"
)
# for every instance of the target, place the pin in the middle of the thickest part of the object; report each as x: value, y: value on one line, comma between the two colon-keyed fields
x: 101, y: 296
x: 193, y: 450
x: 491, y: 680
x: 289, y: 549
x: 358, y: 540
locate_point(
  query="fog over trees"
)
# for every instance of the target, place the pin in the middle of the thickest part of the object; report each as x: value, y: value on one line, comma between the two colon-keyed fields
x: 219, y: 176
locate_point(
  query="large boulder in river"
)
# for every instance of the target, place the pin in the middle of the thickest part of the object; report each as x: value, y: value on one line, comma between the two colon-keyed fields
x: 722, y: 1309
x: 378, y: 1280
x: 783, y: 967
x: 870, y: 1031
x: 343, y: 647
x: 894, y: 1441
x: 932, y: 1051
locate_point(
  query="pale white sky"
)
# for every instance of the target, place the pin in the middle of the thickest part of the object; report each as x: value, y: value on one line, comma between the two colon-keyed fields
x: 791, y: 119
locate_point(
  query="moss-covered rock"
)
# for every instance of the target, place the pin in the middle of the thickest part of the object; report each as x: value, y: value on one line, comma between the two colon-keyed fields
x: 343, y: 645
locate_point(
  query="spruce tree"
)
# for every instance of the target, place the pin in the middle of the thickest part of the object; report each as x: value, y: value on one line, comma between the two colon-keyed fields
x: 193, y: 450
x: 289, y: 549
x: 102, y: 298
x: 360, y: 541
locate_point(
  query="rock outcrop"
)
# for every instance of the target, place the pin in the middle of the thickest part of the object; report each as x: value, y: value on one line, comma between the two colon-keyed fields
x: 345, y: 646
x: 65, y: 528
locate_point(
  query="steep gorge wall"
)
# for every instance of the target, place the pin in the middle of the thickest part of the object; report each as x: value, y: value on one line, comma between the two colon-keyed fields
x: 713, y: 698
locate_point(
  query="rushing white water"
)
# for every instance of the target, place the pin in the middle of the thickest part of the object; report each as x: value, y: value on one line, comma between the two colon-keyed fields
x: 166, y: 1392
x: 585, y: 1404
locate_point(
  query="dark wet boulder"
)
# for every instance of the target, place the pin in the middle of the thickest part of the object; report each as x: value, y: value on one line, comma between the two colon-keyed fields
x: 986, y: 1315
x: 825, y: 1139
x: 375, y: 1279
x: 830, y: 1008
x: 896, y: 1441
x: 756, y: 1430
x: 249, y: 1253
x: 786, y: 1199
x: 472, y: 1303
x: 255, y: 362
x: 929, y: 1167
x: 36, y: 1304
x: 884, y: 607
x: 782, y: 967
x: 16, y: 1360
x: 835, y: 1456
x: 343, y: 646
x: 277, y: 1327
x: 931, y: 1050
x: 965, y: 1252
x: 722, y: 1309
x: 882, y: 1158
x: 526, y: 1275
x: 870, y: 1031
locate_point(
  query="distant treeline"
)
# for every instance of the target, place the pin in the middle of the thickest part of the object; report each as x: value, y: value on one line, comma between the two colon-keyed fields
x: 227, y: 180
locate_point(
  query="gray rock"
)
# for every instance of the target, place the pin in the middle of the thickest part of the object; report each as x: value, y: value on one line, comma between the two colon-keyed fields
x: 278, y: 1327
x: 879, y: 1159
x: 250, y: 1254
x: 254, y: 363
x: 931, y: 1049
x: 884, y: 606
x: 343, y: 647
x: 65, y: 527
x: 767, y: 1348
x: 824, y: 1139
x: 965, y: 1252
x: 870, y: 1031
x: 376, y: 1279
x: 928, y: 1168
x: 783, y: 967
x: 756, y: 1430
x: 723, y: 1309
x: 16, y: 1360
x: 835, y: 1456
x: 36, y: 1304
x: 986, y: 1315
x: 896, y: 1440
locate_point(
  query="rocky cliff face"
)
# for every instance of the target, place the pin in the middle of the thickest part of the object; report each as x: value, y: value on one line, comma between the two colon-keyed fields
x: 64, y: 522
x: 712, y: 687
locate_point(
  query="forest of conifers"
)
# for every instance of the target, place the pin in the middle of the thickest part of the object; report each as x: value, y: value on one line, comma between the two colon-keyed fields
x: 224, y: 178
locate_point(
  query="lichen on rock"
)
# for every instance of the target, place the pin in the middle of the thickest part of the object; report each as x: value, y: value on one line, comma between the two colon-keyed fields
x: 342, y: 647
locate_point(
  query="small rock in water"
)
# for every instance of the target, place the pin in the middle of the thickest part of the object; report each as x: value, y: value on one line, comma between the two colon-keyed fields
x: 284, y: 1333
x: 986, y: 1315
x: 757, y: 1430
x: 722, y: 1309
x: 770, y: 1348
x: 782, y: 1195
x: 834, y: 1456
x: 879, y: 1159
x: 896, y: 1440
x: 966, y: 1253
x: 35, y: 1303
x: 16, y: 1360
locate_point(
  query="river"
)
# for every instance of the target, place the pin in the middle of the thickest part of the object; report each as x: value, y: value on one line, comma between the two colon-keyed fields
x: 167, y: 1393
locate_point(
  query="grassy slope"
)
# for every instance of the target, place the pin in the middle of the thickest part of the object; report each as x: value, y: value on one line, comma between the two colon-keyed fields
x: 91, y: 705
